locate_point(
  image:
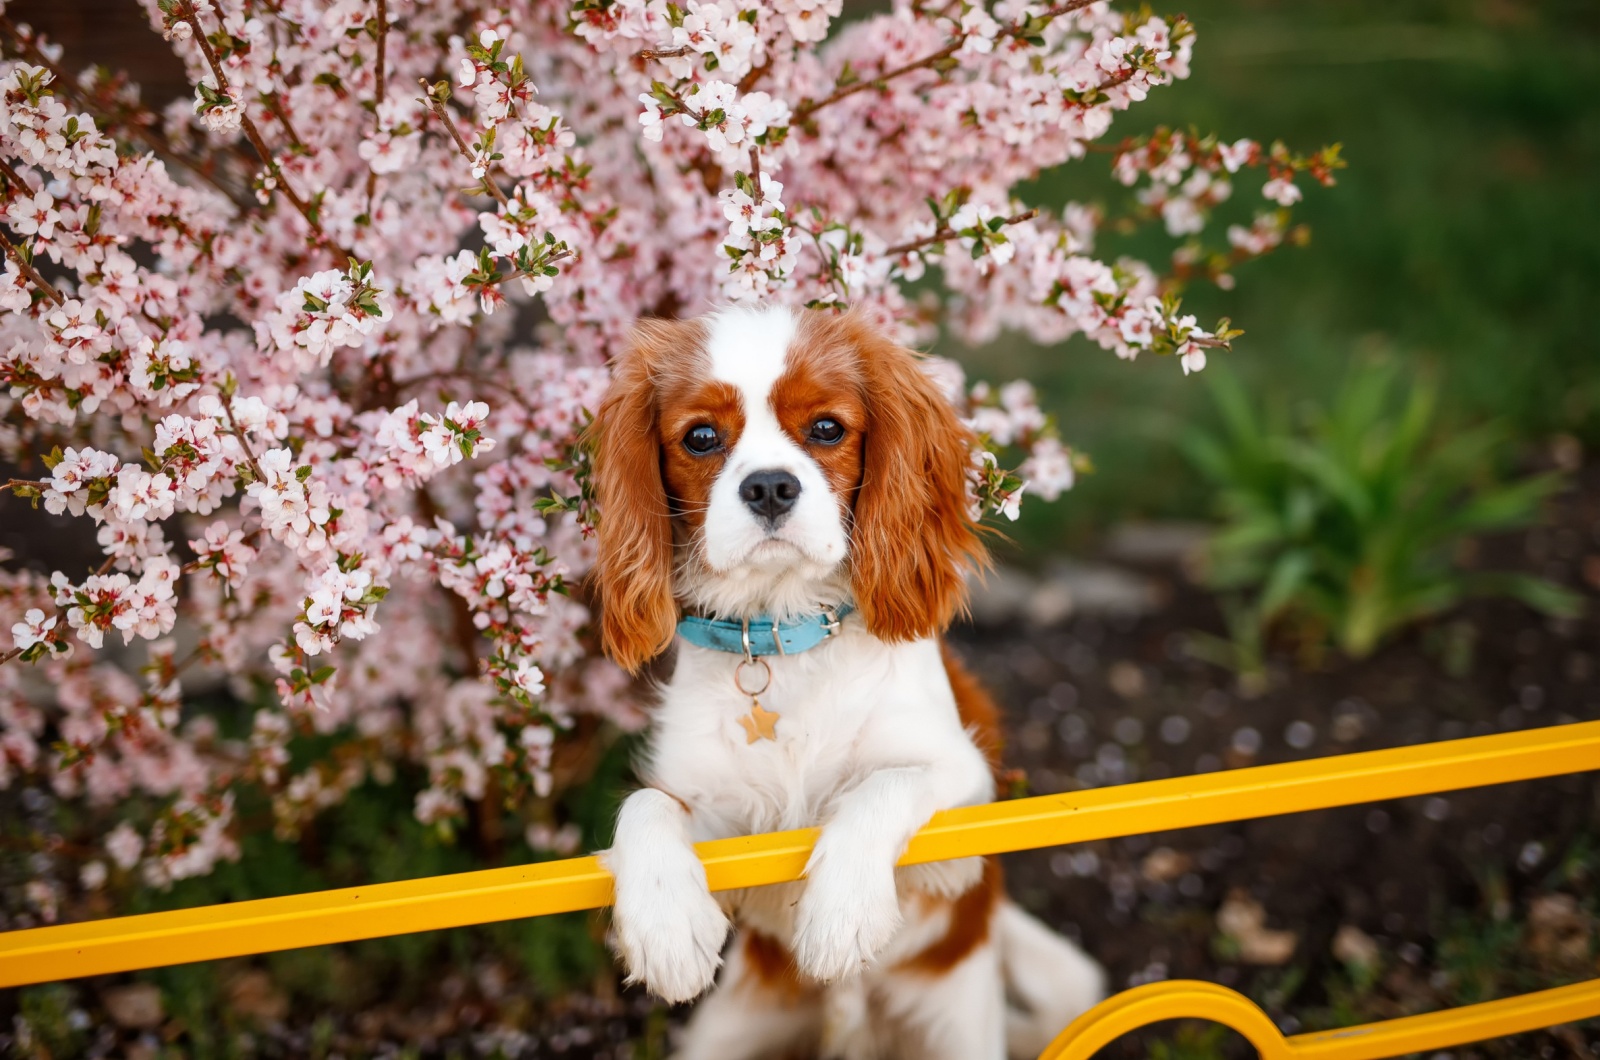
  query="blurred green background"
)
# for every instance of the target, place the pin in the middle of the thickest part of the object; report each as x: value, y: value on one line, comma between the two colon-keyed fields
x: 1465, y: 234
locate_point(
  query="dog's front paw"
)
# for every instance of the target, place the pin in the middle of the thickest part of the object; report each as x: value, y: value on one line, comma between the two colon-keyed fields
x: 669, y: 929
x: 845, y: 918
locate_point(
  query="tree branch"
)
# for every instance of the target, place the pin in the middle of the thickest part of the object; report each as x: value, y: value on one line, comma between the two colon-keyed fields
x: 465, y: 631
x: 443, y: 115
x: 14, y: 177
x: 275, y: 105
x: 188, y: 13
x: 30, y: 272
x: 438, y: 108
x: 945, y: 233
x: 748, y: 81
x: 651, y: 54
x: 377, y: 95
x: 809, y: 107
x: 755, y: 174
x: 151, y: 137
x: 233, y: 428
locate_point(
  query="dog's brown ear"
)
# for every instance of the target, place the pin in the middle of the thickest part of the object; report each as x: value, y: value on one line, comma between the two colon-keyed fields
x: 914, y: 538
x: 633, y: 572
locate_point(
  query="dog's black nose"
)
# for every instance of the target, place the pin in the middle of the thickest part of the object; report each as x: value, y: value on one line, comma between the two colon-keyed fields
x: 770, y: 494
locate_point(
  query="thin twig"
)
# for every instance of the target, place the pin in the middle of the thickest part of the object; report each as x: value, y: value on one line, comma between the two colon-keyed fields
x: 14, y: 652
x: 651, y: 54
x: 945, y: 233
x: 158, y: 143
x: 13, y: 176
x: 275, y: 105
x: 15, y: 254
x: 377, y: 96
x: 488, y: 182
x: 465, y: 630
x: 809, y: 107
x: 466, y: 152
x: 30, y: 272
x: 748, y: 81
x: 233, y: 428
x: 462, y: 374
x: 188, y: 13
x: 555, y: 256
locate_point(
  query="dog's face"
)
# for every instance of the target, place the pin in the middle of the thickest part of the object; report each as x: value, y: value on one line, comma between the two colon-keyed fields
x: 770, y: 460
x: 761, y: 451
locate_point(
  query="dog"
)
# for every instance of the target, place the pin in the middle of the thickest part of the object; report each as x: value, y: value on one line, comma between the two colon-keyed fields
x: 783, y: 498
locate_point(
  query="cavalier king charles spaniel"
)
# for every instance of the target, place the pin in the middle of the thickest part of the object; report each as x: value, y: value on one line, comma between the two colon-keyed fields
x: 783, y: 498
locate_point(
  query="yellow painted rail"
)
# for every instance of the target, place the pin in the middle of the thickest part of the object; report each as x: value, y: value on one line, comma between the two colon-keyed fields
x: 156, y: 939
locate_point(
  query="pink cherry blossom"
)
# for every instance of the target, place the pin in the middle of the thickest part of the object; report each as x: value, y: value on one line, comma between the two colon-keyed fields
x: 322, y: 405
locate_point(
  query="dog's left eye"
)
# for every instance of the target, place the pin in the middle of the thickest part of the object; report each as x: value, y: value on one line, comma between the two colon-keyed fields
x: 702, y: 439
x: 827, y: 432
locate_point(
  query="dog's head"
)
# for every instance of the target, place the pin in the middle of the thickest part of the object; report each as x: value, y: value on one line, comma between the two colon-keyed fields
x: 771, y: 460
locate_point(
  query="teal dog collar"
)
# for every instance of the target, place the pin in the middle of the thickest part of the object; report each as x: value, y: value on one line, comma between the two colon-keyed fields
x: 760, y: 636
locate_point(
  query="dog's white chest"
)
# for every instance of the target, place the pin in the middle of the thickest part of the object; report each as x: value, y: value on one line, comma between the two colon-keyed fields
x: 828, y: 704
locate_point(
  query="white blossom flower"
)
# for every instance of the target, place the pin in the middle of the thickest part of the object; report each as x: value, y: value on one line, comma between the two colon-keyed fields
x: 1282, y: 191
x: 33, y: 629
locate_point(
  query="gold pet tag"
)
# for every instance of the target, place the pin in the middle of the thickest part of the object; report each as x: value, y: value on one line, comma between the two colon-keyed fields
x: 760, y: 723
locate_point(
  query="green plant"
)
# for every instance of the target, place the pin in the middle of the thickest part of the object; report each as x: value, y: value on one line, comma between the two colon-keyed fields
x: 47, y: 1026
x: 1192, y: 1041
x: 1482, y: 955
x: 1348, y: 526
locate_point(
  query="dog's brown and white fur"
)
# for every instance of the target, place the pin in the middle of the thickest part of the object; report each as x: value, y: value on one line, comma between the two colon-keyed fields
x: 879, y: 727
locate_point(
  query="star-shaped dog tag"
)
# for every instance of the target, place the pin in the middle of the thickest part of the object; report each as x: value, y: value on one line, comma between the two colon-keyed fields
x: 760, y: 723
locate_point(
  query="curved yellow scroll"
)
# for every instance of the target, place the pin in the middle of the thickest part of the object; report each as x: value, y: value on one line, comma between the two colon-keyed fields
x: 1189, y: 999
x: 1172, y: 1000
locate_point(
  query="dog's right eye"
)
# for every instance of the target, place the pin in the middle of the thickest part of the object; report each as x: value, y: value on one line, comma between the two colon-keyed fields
x: 702, y: 440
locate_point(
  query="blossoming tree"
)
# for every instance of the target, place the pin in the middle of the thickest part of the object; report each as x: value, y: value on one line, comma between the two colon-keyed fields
x: 312, y: 349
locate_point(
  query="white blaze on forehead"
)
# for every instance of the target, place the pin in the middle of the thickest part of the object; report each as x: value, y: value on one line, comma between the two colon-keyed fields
x: 747, y: 348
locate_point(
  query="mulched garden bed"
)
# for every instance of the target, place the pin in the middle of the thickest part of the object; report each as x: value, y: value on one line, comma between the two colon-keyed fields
x: 1442, y: 900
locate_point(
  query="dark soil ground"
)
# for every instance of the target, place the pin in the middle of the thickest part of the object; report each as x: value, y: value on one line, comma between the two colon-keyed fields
x: 1370, y: 912
x: 1458, y: 898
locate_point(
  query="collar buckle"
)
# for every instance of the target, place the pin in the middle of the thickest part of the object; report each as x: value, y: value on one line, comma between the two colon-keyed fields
x: 830, y: 621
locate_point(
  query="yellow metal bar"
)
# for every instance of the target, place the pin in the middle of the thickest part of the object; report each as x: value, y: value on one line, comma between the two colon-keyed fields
x: 96, y: 947
x: 1452, y: 1027
x: 1188, y: 999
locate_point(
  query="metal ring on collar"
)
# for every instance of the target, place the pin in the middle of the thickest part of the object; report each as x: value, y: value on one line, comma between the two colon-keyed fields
x: 738, y: 676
